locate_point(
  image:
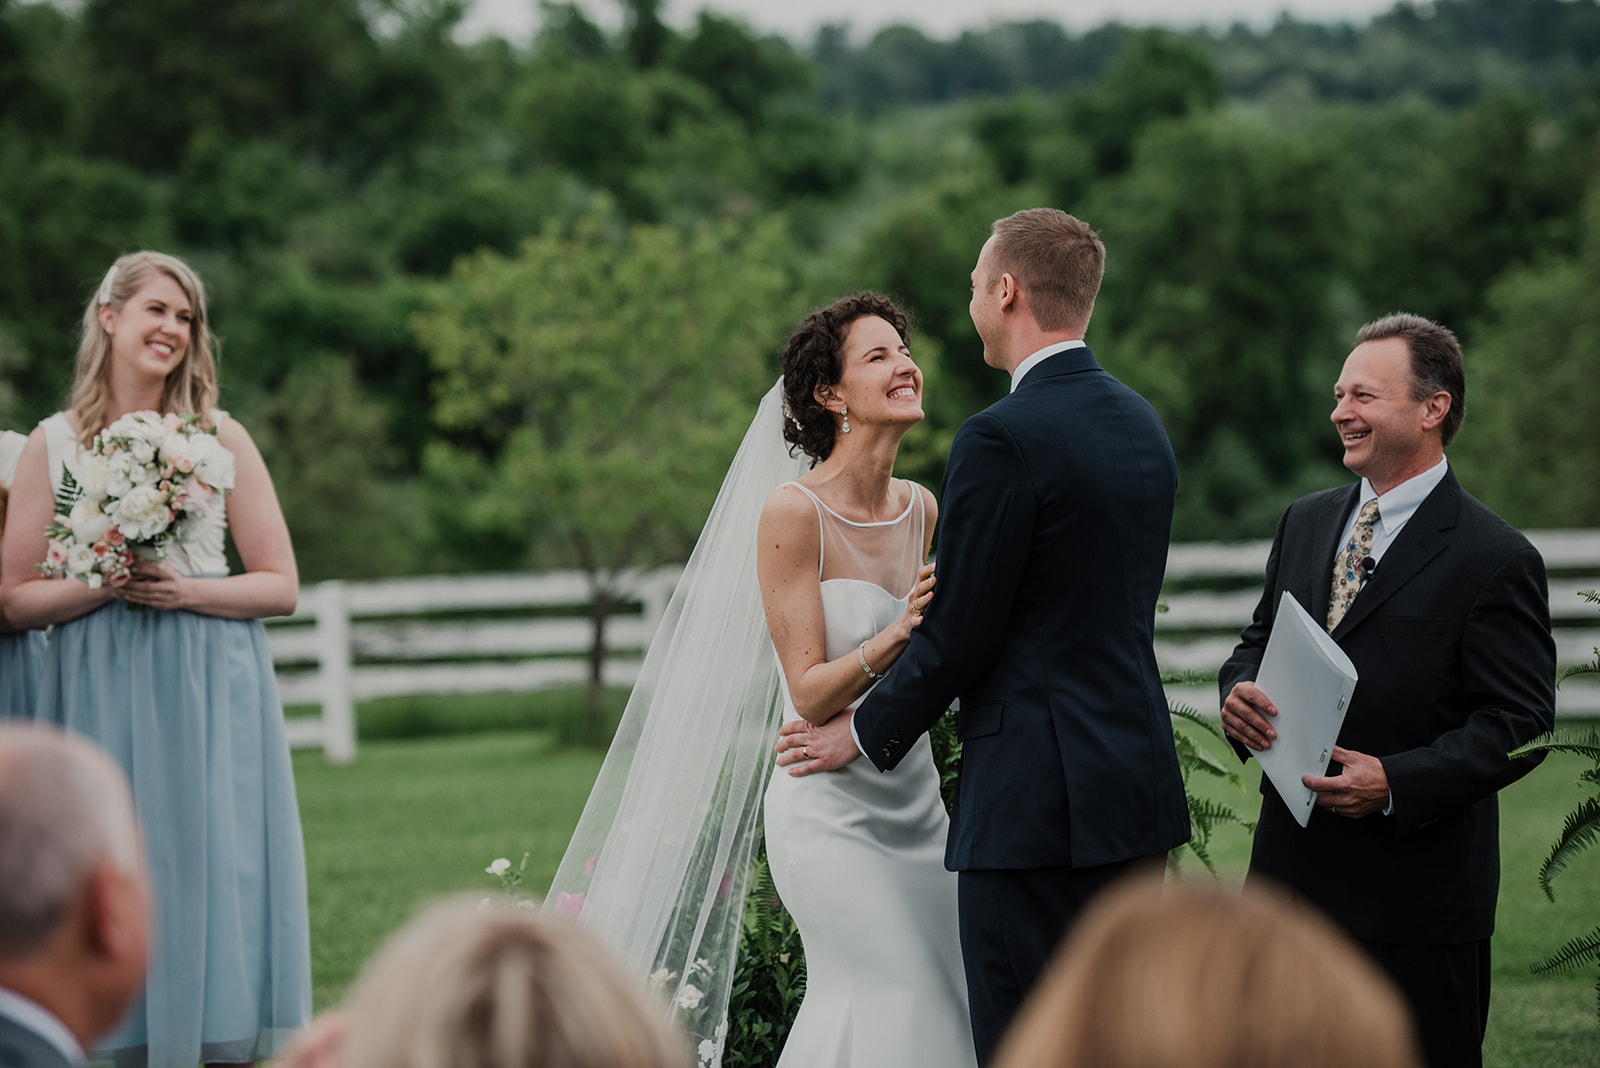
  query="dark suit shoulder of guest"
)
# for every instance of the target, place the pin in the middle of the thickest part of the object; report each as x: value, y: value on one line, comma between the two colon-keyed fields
x: 1451, y: 642
x: 1055, y: 519
x: 22, y: 1048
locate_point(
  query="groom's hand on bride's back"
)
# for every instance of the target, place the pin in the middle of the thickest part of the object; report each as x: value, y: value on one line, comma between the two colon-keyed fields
x: 805, y: 748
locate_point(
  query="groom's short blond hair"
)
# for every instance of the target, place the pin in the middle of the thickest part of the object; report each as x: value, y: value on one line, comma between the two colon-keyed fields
x: 1057, y: 260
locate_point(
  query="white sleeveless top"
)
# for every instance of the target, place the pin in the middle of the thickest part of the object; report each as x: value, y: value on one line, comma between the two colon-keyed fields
x: 11, y: 444
x: 201, y: 553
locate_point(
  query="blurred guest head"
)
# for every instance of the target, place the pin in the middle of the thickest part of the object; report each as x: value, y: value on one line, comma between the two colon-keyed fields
x: 470, y: 986
x: 1199, y: 977
x: 74, y: 903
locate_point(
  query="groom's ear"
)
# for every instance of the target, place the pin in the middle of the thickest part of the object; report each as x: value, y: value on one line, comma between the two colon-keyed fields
x: 1009, y: 290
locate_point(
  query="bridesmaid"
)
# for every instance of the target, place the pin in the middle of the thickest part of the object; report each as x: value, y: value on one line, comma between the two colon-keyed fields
x: 182, y: 694
x: 21, y: 651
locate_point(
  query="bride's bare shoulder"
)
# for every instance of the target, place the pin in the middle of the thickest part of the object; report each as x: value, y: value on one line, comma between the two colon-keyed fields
x: 788, y: 505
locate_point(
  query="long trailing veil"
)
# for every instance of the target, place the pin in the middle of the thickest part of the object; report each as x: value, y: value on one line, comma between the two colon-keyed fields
x: 658, y: 865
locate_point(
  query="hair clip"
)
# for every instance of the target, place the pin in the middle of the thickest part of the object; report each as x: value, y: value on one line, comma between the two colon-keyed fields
x: 104, y: 296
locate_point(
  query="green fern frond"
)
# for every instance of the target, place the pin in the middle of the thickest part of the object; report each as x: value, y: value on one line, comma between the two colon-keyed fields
x: 1591, y: 668
x: 1562, y: 740
x: 68, y: 494
x: 1197, y: 846
x: 1213, y: 812
x: 1581, y: 831
x: 1592, y: 596
x: 1189, y: 715
x: 1581, y: 950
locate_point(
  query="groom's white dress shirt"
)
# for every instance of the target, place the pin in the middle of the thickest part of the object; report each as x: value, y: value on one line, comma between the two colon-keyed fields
x: 1039, y: 357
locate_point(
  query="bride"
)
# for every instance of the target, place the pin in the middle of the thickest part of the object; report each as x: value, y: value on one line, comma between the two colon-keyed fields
x: 828, y: 575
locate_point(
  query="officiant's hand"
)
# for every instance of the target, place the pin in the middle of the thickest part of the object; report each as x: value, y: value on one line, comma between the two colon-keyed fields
x: 805, y: 748
x: 1360, y: 789
x: 1245, y: 717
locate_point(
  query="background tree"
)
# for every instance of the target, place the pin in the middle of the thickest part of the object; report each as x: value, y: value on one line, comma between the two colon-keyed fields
x: 592, y: 388
x: 1529, y: 440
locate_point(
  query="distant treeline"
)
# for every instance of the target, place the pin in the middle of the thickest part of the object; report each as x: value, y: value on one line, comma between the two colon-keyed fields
x: 1451, y: 52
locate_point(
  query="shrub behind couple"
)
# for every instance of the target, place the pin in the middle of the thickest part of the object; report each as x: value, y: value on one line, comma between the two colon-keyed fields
x: 1057, y: 505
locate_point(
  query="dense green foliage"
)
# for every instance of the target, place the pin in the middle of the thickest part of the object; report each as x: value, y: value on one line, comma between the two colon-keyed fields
x: 382, y: 212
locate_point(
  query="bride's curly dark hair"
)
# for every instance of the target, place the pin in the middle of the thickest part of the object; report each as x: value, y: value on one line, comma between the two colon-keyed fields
x: 814, y: 357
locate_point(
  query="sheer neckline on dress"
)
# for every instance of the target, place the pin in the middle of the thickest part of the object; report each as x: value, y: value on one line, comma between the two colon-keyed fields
x: 910, y: 503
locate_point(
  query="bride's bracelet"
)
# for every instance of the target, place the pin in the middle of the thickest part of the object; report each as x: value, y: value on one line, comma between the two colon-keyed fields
x: 861, y: 655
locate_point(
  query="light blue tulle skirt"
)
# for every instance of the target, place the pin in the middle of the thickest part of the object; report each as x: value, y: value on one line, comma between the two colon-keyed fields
x: 188, y: 705
x: 21, y: 661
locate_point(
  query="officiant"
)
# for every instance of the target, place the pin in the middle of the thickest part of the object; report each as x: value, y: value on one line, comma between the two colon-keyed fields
x: 1443, y: 609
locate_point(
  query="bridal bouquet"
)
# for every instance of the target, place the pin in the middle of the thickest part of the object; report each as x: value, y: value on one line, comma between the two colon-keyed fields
x: 141, y: 487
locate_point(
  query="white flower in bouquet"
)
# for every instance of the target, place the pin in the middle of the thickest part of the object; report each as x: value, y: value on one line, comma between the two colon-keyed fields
x: 92, y: 471
x: 142, y: 514
x: 81, y: 560
x: 89, y: 523
x: 203, y: 457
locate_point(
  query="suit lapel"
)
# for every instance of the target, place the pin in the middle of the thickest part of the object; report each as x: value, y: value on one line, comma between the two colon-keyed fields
x: 1326, y: 525
x: 1426, y: 535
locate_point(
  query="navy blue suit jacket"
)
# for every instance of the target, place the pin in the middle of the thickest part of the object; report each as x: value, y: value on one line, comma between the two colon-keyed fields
x: 1451, y: 642
x: 1055, y: 515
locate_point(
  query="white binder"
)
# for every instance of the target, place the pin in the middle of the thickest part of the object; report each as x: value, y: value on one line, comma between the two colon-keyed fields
x: 1310, y: 679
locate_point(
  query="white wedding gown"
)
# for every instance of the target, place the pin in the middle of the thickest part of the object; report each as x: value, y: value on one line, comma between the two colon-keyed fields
x: 858, y: 855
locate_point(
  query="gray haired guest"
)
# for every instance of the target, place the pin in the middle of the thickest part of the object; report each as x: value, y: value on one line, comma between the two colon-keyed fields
x: 74, y: 903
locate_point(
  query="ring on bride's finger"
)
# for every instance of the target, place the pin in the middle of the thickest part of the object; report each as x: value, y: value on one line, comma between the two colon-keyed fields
x: 806, y: 752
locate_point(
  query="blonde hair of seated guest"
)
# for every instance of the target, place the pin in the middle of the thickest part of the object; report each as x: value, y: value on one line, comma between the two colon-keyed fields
x: 1188, y: 976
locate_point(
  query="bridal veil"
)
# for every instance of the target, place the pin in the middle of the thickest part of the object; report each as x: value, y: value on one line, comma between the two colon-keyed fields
x: 658, y: 865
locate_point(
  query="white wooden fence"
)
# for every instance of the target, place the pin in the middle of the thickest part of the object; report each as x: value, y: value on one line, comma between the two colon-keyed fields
x: 354, y: 641
x: 450, y: 634
x: 1201, y: 627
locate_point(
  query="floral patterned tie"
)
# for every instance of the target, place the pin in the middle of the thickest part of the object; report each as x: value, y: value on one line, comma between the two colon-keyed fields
x: 1347, y: 570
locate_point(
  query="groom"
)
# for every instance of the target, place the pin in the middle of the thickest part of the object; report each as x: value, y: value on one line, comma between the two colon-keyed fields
x: 1056, y: 511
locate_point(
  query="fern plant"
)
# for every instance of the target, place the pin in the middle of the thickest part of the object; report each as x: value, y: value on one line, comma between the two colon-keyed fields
x: 769, y: 979
x: 1205, y: 815
x: 1579, y: 832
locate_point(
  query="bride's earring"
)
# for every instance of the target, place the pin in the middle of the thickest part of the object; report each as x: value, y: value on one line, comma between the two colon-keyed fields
x: 844, y: 411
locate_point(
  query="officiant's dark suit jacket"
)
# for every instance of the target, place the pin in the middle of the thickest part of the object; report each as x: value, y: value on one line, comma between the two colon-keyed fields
x: 1451, y: 641
x: 1055, y: 517
x: 21, y: 1048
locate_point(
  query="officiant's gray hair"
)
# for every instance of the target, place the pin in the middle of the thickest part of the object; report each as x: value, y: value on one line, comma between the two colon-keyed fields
x: 65, y: 808
x: 1436, y: 364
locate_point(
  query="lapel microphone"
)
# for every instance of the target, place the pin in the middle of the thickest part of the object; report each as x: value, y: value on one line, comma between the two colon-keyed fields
x: 1369, y: 566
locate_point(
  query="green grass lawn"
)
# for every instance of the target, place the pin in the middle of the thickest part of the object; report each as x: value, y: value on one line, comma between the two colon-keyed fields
x: 417, y: 817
